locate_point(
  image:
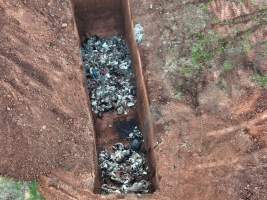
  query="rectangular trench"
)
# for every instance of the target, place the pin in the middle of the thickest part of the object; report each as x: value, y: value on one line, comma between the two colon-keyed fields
x: 106, y: 18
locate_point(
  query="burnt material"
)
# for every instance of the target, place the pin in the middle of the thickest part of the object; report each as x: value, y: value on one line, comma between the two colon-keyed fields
x: 124, y: 169
x: 124, y: 128
x: 108, y: 18
x: 108, y: 68
x: 110, y: 80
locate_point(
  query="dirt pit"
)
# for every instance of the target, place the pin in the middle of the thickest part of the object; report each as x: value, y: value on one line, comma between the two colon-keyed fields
x: 111, y: 108
x: 210, y: 141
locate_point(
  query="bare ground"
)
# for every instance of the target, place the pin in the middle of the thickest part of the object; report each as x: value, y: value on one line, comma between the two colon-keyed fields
x: 210, y: 141
x: 44, y: 121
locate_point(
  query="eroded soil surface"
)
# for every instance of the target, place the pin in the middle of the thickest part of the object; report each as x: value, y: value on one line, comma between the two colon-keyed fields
x: 44, y: 114
x: 205, y: 67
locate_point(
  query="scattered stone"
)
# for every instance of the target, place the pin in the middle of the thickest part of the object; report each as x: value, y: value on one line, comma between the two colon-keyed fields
x: 110, y: 77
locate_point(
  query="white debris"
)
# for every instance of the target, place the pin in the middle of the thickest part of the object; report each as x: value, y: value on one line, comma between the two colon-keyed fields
x: 64, y: 25
x: 139, y: 33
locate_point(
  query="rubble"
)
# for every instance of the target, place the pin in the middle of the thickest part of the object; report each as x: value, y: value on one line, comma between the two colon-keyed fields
x: 110, y: 78
x: 124, y: 168
x: 139, y: 33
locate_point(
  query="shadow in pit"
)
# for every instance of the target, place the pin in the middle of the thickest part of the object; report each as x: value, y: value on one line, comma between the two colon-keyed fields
x: 106, y: 18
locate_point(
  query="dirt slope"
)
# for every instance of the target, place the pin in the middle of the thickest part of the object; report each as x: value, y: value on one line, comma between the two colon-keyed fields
x: 44, y: 114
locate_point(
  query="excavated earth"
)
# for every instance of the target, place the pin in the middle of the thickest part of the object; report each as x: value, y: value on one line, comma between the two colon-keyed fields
x: 207, y: 146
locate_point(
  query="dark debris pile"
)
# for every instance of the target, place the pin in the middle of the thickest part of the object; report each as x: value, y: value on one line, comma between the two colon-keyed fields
x: 124, y: 169
x: 110, y: 78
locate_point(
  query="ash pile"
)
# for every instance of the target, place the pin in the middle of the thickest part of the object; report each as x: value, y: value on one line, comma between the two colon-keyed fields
x: 124, y: 168
x: 110, y: 77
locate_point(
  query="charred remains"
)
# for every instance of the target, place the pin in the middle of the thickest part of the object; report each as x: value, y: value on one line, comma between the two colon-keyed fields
x: 110, y: 78
x: 118, y: 98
